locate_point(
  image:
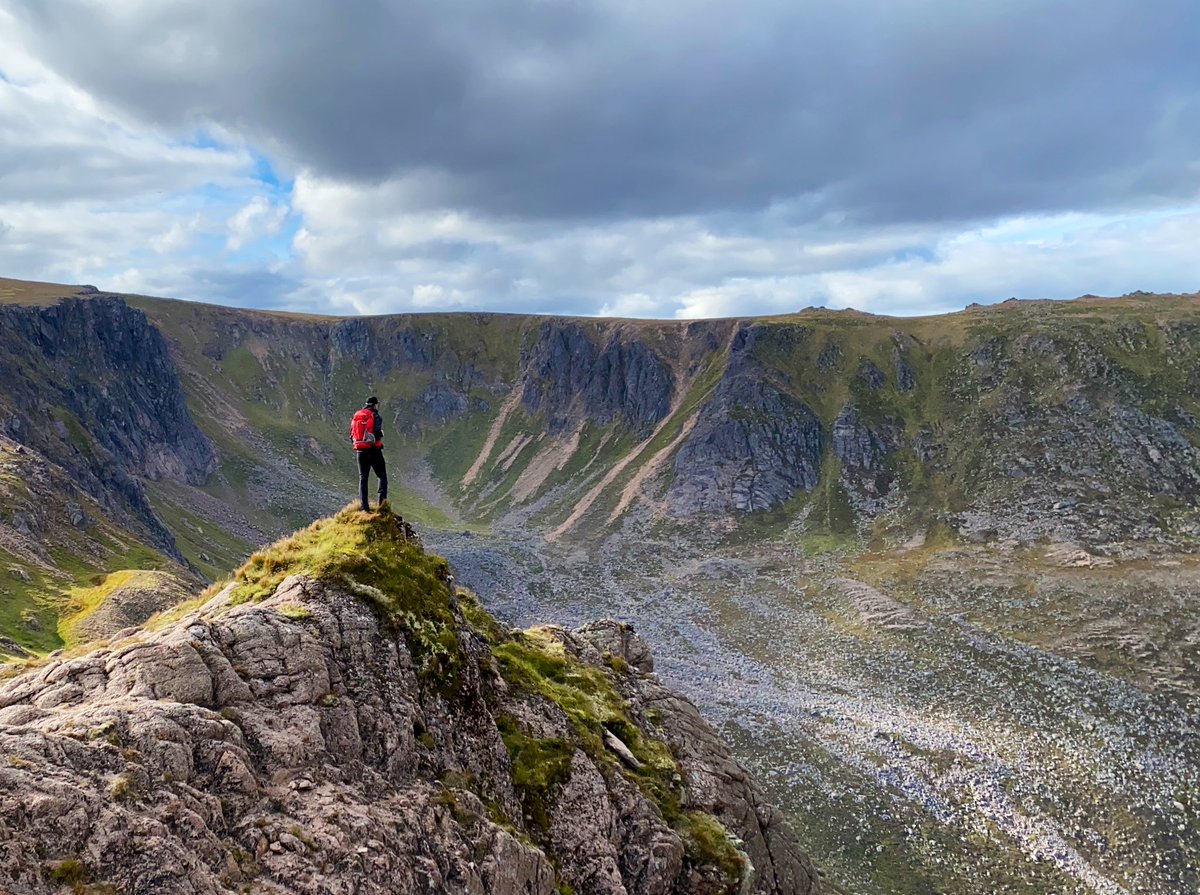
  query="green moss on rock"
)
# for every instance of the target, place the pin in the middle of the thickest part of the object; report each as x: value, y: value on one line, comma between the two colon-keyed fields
x: 536, y: 662
x: 539, y: 767
x: 375, y: 557
x: 708, y: 844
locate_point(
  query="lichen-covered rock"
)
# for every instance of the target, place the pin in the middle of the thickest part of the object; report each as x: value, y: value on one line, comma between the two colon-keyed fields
x: 619, y: 639
x: 329, y: 738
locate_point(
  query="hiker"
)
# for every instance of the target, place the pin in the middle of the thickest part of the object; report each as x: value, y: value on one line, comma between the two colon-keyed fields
x: 366, y: 431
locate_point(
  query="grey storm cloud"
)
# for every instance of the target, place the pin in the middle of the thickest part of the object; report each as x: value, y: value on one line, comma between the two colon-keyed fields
x: 868, y: 111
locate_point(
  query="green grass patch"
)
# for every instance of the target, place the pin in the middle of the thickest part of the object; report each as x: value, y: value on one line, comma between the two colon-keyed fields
x: 453, y: 448
x: 243, y: 370
x: 296, y: 613
x: 83, y: 601
x: 831, y: 510
x: 28, y: 614
x: 69, y: 872
x: 706, y: 843
x: 537, y: 662
x: 370, y: 555
x: 77, y: 435
x: 539, y: 766
x: 368, y: 548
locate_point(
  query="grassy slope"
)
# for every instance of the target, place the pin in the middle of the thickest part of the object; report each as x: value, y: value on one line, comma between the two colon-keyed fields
x: 27, y: 292
x: 37, y: 585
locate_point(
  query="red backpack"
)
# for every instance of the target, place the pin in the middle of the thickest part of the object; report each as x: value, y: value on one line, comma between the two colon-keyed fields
x: 362, y: 430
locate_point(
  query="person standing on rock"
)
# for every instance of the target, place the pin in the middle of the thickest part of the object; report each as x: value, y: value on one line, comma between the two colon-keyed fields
x: 366, y: 431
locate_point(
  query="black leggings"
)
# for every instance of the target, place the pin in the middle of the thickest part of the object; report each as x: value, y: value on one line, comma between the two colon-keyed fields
x: 371, y: 459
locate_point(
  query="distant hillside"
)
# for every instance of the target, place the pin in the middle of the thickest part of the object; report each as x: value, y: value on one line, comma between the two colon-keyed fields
x: 936, y: 577
x: 1025, y: 419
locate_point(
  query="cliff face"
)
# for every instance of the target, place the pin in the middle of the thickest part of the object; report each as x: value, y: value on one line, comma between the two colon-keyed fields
x: 973, y: 423
x: 754, y: 445
x: 90, y: 385
x: 308, y: 731
x: 572, y: 379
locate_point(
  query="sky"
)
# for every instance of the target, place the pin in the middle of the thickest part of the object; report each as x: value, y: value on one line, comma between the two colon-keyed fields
x: 673, y: 159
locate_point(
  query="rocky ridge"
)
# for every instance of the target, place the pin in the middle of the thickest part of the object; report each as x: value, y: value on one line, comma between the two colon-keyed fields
x: 1068, y: 420
x: 306, y: 731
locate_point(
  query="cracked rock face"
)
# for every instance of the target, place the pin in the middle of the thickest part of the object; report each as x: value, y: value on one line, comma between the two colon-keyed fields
x: 862, y: 451
x: 103, y: 363
x: 570, y: 376
x: 293, y: 745
x: 753, y: 447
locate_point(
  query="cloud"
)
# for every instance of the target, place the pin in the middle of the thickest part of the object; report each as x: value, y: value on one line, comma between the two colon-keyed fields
x: 91, y: 194
x: 704, y: 266
x: 1041, y: 257
x: 601, y: 156
x: 258, y: 218
x: 896, y: 110
x: 58, y: 143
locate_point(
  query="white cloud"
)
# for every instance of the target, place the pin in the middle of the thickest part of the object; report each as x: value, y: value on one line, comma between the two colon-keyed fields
x: 692, y: 266
x: 634, y: 304
x: 58, y: 143
x: 258, y: 218
x: 89, y: 194
x: 178, y: 236
x: 1053, y: 257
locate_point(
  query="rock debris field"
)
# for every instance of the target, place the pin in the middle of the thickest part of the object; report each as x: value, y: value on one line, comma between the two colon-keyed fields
x: 923, y: 731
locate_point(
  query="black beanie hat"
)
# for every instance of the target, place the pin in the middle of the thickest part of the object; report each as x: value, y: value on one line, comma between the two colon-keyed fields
x: 371, y: 401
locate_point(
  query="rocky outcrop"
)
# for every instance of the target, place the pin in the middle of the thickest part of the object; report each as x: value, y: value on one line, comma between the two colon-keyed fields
x: 569, y: 377
x: 752, y: 449
x: 906, y: 377
x: 715, y: 782
x: 1057, y: 440
x: 1059, y: 473
x: 754, y: 445
x: 109, y: 368
x: 862, y: 451
x: 309, y: 742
